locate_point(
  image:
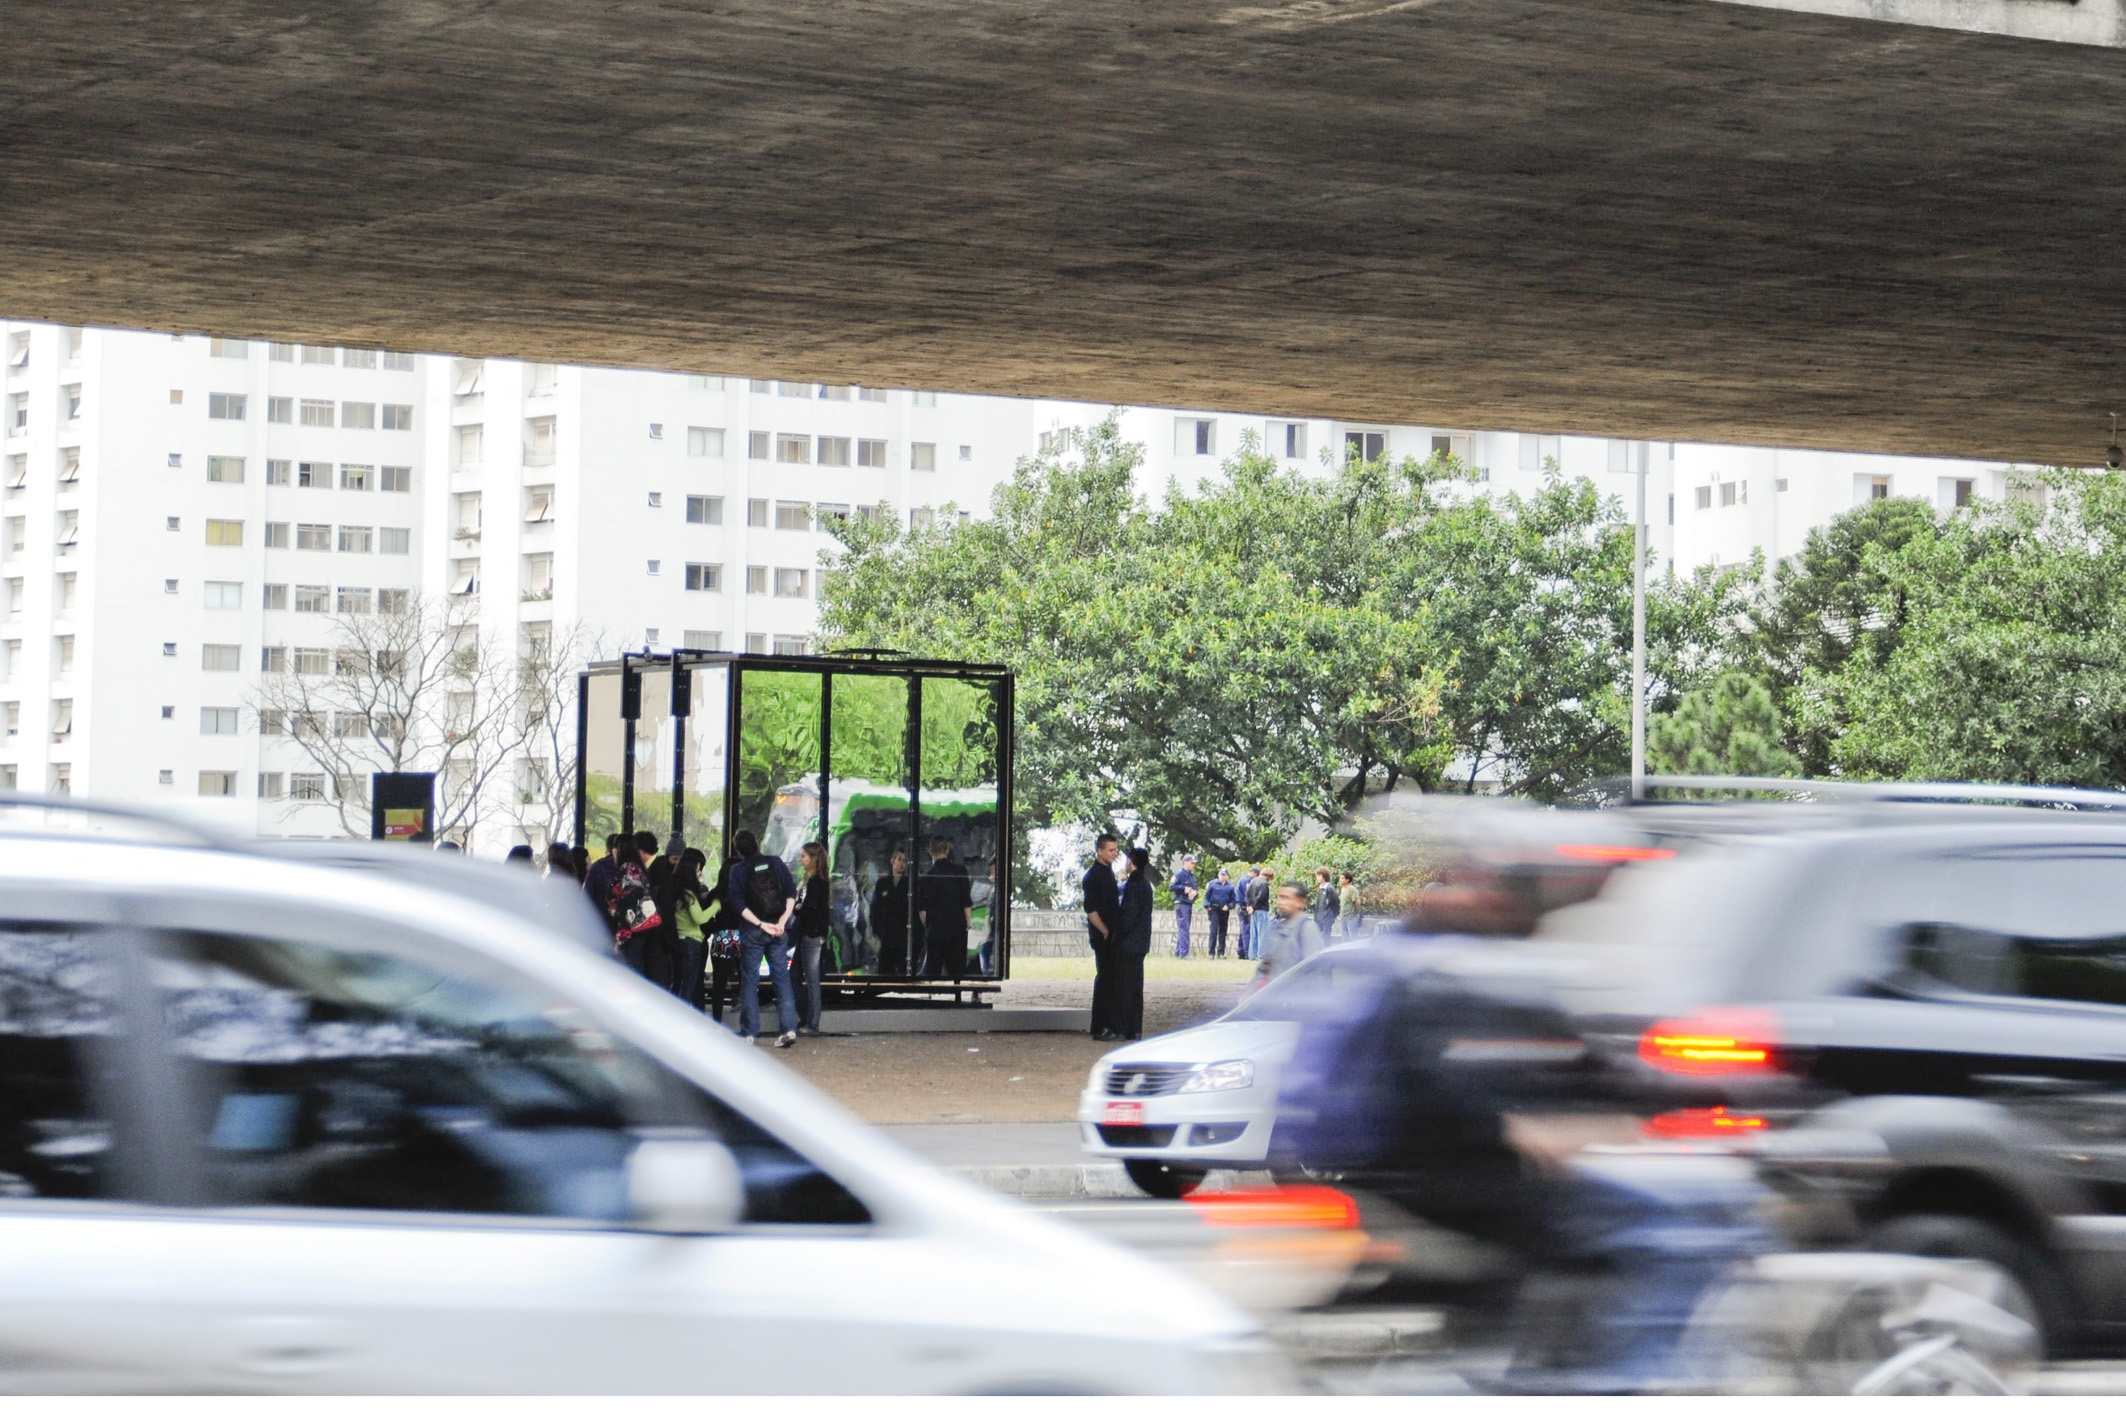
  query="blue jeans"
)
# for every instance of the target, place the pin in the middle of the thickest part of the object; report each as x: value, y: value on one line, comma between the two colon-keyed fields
x: 1184, y: 911
x: 753, y: 946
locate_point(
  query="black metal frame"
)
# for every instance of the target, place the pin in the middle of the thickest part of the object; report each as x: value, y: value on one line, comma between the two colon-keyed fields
x: 682, y: 664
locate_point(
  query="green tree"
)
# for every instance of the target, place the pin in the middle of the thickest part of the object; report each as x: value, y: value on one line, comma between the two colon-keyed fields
x: 1732, y: 727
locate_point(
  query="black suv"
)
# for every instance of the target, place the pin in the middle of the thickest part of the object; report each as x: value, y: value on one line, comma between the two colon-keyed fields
x: 1917, y: 1009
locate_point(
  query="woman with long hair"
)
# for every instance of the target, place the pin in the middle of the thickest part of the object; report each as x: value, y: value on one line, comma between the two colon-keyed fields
x: 694, y: 917
x: 810, y: 928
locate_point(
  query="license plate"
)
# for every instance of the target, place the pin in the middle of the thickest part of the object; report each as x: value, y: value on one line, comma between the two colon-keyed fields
x: 1124, y: 1114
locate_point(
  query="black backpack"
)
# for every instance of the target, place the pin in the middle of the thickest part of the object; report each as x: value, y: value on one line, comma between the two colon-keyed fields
x: 764, y: 892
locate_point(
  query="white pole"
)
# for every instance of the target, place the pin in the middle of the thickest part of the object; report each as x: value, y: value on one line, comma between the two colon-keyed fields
x: 1638, y: 644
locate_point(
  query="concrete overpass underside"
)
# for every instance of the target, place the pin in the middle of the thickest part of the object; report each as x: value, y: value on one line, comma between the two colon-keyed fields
x: 1640, y: 218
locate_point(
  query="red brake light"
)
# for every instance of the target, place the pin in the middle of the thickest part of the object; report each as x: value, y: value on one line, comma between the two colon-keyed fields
x: 1278, y: 1208
x: 1718, y: 1041
x: 1697, y: 1122
x: 1616, y: 853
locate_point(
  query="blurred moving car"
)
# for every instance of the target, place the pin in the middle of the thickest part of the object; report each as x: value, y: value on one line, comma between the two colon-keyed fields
x: 1961, y: 966
x: 1176, y: 1107
x: 282, y: 1126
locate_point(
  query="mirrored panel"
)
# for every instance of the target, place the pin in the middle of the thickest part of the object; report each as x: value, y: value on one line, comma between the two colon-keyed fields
x: 871, y: 825
x: 604, y: 760
x: 656, y: 734
x: 778, y: 759
x: 707, y: 725
x: 957, y: 895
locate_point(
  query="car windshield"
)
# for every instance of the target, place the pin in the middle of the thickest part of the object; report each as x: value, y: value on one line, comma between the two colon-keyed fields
x: 1302, y: 992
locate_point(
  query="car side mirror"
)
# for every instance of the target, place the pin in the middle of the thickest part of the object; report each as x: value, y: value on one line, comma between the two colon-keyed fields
x: 684, y: 1186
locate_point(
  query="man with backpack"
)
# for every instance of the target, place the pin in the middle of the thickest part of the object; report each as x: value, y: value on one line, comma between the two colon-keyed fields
x: 765, y: 894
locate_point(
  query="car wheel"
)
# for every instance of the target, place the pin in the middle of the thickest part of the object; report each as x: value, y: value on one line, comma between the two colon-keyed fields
x: 1157, y: 1178
x: 2035, y: 1293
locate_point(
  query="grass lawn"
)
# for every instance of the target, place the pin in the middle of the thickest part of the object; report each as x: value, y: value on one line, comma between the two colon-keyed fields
x: 1156, y: 966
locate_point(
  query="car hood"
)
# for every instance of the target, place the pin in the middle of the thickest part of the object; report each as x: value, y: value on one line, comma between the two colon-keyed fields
x: 1268, y: 1041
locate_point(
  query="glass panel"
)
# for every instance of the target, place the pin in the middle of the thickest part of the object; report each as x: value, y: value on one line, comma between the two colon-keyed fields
x: 958, y: 836
x: 57, y: 1013
x: 867, y: 798
x: 604, y: 762
x: 708, y: 716
x: 778, y: 760
x: 656, y: 732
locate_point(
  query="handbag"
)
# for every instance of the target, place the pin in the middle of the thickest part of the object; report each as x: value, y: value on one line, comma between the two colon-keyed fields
x: 724, y: 945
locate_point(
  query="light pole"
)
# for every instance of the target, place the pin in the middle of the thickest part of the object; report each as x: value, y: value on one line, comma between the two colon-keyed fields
x: 1638, y: 643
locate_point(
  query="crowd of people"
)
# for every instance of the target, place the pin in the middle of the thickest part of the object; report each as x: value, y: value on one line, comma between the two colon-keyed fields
x: 1278, y: 927
x: 706, y: 934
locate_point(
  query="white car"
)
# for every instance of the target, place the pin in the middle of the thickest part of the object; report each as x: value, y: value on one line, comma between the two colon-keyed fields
x: 271, y: 1124
x: 1176, y: 1107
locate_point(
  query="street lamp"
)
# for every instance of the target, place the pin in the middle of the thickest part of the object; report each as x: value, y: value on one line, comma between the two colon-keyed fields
x: 1638, y: 643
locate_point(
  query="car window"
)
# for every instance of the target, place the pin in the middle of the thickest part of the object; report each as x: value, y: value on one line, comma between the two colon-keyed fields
x: 336, y: 1078
x: 58, y: 1021
x: 1299, y: 993
x: 2043, y: 924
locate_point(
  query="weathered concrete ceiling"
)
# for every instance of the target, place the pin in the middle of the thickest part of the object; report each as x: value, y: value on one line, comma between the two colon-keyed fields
x: 1658, y: 218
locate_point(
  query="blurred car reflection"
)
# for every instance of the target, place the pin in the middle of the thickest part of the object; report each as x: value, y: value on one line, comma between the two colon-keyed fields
x: 269, y: 1125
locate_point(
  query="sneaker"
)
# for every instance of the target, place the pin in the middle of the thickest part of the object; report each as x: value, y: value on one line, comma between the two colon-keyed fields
x: 786, y: 1040
x: 748, y: 1039
x: 809, y: 1031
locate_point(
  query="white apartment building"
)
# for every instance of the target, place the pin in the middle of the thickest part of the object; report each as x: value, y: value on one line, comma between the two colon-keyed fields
x: 181, y: 514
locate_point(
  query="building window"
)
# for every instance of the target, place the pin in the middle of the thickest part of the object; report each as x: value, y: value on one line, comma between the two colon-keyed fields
x: 756, y: 644
x: 923, y: 399
x: 657, y: 432
x: 711, y: 640
x: 871, y: 452
x: 923, y: 457
x: 313, y: 536
x: 70, y: 403
x: 757, y: 511
x: 67, y: 585
x: 471, y: 441
x: 1196, y: 437
x: 62, y: 779
x: 18, y: 350
x: 281, y: 353
x: 464, y: 577
x: 834, y: 452
x: 1780, y: 485
x: 224, y: 533
x: 657, y: 501
x: 540, y: 382
x: 18, y: 413
x: 702, y: 576
x: 756, y: 580
x: 761, y: 386
x: 704, y: 381
x: 18, y: 471
x: 17, y: 534
x: 921, y: 517
x: 830, y: 514
x: 398, y: 417
x: 70, y: 466
x: 704, y: 442
x: 793, y: 389
x: 1671, y: 509
x: 656, y: 568
x: 225, y: 595
x: 225, y: 469
x: 538, y: 504
x: 354, y: 600
x: 217, y: 720
x: 306, y: 786
x: 310, y: 661
x: 354, y: 476
x: 357, y: 539
x: 793, y: 447
x: 705, y: 511
x: 1702, y: 498
x: 393, y: 602
x: 278, y: 472
x: 1289, y: 439
x: 280, y: 410
x: 63, y: 651
x: 793, y: 516
x: 539, y: 442
x: 395, y: 540
x: 313, y: 474
x: 539, y: 575
x: 275, y: 597
x: 70, y: 531
x: 395, y: 479
x: 649, y: 637
x: 313, y: 600
x: 273, y: 659
x: 62, y: 718
x: 225, y: 406
x: 757, y: 446
x: 221, y: 659
x: 790, y: 644
x: 217, y: 784
x: 270, y: 786
x: 166, y: 777
x: 318, y: 354
x: 403, y: 363
x: 790, y: 584
x: 169, y: 649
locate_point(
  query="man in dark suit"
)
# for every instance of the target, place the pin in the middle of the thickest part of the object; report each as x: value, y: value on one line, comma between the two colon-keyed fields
x: 944, y: 903
x: 1133, y: 941
x: 1103, y: 908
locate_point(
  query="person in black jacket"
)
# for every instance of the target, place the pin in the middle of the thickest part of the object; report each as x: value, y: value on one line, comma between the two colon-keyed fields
x: 1103, y: 906
x: 944, y: 904
x: 889, y: 917
x: 1133, y: 941
x: 810, y: 928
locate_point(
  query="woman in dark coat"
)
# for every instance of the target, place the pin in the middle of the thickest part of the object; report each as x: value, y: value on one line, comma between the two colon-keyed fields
x: 889, y: 917
x: 1133, y: 941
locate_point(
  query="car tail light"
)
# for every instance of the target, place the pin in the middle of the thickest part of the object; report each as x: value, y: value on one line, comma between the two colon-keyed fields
x: 1695, y: 1123
x: 1717, y: 1042
x: 1278, y: 1208
x: 1620, y: 854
